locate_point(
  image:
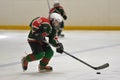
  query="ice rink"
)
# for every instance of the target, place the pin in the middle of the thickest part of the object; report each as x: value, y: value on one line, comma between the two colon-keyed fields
x: 93, y: 47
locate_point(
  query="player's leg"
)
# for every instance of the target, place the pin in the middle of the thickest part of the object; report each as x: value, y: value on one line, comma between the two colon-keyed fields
x: 37, y: 53
x: 45, y: 60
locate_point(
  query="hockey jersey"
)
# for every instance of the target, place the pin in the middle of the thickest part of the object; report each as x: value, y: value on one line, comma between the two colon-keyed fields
x: 60, y: 11
x: 40, y: 28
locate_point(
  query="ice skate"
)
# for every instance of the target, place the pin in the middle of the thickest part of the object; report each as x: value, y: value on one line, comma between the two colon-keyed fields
x: 24, y: 63
x: 61, y: 35
x: 45, y: 68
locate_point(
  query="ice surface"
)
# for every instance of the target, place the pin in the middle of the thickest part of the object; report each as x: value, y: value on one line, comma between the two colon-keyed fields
x: 94, y: 47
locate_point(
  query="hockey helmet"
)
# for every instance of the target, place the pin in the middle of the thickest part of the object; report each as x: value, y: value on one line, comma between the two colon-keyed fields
x: 56, y: 17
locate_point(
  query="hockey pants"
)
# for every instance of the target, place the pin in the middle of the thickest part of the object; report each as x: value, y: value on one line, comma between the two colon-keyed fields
x: 40, y: 52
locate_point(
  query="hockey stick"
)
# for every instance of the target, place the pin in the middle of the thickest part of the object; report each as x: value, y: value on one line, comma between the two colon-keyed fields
x: 95, y: 68
x: 48, y: 4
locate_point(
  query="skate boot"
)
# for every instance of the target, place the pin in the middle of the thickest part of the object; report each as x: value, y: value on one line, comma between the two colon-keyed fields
x: 24, y: 63
x: 61, y: 35
x: 45, y: 68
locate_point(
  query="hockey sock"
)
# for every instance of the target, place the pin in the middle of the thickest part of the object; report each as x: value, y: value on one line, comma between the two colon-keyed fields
x: 46, y: 58
x: 44, y: 62
x: 33, y: 57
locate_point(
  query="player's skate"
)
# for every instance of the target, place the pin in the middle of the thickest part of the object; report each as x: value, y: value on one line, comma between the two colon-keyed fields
x: 24, y: 63
x: 61, y: 35
x: 44, y: 68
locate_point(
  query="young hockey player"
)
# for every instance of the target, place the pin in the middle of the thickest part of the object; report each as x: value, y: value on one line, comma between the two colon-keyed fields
x: 57, y: 8
x: 40, y: 28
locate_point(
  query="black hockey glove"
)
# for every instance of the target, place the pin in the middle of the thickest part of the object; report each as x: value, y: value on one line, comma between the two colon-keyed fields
x: 65, y: 17
x: 60, y: 48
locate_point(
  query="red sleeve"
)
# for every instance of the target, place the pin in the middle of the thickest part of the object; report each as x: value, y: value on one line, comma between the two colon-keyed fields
x: 52, y: 10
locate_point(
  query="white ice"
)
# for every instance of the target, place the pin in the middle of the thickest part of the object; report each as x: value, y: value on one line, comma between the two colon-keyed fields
x: 93, y: 47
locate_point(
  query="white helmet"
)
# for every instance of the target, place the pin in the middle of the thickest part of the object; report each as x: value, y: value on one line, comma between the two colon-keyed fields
x: 56, y: 16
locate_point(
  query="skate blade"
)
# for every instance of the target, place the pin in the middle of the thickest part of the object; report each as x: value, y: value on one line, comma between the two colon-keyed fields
x: 43, y: 71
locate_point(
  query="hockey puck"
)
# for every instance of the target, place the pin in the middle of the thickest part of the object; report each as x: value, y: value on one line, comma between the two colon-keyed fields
x: 98, y: 73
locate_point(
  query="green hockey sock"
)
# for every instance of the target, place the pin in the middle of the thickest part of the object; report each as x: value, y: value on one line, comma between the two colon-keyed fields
x: 33, y: 57
x: 46, y: 58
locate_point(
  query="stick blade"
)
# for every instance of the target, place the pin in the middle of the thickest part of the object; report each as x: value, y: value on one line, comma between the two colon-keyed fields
x: 102, y: 66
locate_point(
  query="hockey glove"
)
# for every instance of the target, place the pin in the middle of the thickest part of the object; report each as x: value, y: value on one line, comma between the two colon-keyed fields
x: 65, y: 17
x: 60, y: 48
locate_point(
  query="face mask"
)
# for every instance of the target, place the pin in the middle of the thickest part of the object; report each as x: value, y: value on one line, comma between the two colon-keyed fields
x: 56, y: 25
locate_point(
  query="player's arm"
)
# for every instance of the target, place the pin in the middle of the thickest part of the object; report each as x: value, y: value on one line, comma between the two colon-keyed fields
x: 53, y: 40
x: 63, y: 13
